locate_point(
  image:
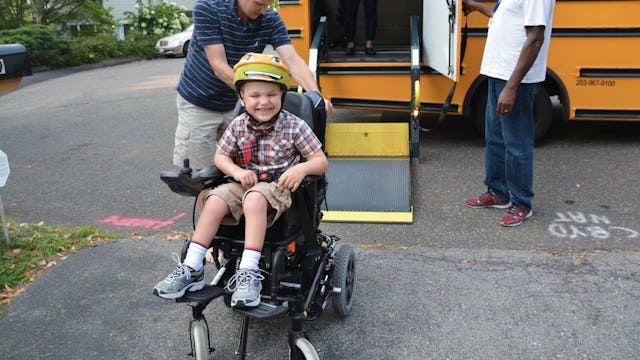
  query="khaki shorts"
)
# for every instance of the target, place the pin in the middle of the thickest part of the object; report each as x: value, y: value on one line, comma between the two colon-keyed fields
x: 197, y: 132
x: 233, y: 194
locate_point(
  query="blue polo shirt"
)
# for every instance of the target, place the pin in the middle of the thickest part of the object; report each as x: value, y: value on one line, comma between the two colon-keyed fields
x: 218, y: 22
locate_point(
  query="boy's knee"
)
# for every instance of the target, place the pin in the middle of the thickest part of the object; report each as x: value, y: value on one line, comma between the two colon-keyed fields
x: 214, y: 206
x: 254, y: 201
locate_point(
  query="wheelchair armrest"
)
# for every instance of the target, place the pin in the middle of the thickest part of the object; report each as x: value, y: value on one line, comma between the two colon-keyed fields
x: 209, y: 173
x: 187, y: 185
x: 310, y: 180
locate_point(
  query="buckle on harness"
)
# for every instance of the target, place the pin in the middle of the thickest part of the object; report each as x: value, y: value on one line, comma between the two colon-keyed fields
x: 267, y: 177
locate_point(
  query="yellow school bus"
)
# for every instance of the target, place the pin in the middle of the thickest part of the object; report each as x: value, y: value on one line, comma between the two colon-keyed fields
x: 428, y: 59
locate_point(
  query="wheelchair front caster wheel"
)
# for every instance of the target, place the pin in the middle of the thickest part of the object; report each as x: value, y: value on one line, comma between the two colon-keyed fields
x: 303, y: 350
x: 200, y: 340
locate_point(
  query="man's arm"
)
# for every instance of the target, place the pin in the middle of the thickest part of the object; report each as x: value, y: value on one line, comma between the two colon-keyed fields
x: 528, y: 55
x: 298, y: 67
x: 300, y: 71
x: 469, y: 6
x: 218, y: 61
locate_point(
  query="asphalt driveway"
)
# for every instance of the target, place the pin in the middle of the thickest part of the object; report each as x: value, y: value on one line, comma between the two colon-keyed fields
x: 87, y: 147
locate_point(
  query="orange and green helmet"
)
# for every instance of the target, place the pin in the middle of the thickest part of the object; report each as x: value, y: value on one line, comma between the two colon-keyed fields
x: 261, y: 67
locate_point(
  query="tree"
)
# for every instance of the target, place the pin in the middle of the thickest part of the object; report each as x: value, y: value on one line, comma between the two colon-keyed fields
x: 63, y: 12
x: 17, y: 13
x: 13, y: 13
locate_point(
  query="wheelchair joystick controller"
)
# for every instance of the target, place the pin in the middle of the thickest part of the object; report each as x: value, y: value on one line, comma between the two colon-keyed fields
x: 186, y: 169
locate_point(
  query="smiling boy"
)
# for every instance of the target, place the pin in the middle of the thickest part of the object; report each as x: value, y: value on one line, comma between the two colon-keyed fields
x: 265, y: 139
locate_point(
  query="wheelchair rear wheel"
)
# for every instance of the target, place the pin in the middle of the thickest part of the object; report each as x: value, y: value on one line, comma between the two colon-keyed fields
x: 303, y: 350
x: 200, y: 339
x: 344, y: 277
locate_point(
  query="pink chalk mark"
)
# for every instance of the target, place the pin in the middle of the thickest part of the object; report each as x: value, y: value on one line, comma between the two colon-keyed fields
x: 139, y: 222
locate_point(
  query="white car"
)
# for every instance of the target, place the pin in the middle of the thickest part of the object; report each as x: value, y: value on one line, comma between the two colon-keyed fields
x: 176, y: 44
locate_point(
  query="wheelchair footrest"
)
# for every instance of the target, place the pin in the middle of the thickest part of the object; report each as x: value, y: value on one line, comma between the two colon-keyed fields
x: 202, y: 297
x: 263, y: 311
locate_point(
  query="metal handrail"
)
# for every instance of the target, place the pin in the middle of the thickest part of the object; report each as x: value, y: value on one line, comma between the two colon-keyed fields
x: 318, y: 46
x: 414, y: 124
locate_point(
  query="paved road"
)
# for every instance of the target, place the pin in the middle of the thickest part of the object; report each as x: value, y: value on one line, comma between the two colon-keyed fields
x: 87, y: 147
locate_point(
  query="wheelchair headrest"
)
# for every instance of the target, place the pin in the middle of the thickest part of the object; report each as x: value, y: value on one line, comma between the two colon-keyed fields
x: 308, y: 106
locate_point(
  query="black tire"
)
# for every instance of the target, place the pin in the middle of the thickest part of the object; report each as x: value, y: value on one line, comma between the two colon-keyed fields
x: 185, y: 48
x: 303, y: 350
x: 344, y: 277
x: 200, y: 338
x: 542, y: 117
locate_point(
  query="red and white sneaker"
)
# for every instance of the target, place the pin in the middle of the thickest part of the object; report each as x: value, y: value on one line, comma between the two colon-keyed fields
x: 515, y: 216
x: 488, y: 199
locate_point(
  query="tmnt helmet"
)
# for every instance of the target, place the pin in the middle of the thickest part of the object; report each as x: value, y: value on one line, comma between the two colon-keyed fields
x: 261, y: 67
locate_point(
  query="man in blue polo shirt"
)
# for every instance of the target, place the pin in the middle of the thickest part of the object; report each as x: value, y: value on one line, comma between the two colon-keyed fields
x: 224, y: 31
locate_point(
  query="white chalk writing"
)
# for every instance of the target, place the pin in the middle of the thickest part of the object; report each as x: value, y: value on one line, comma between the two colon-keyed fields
x: 574, y: 225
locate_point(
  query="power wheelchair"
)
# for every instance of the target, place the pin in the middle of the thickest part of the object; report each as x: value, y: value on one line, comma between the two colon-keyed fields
x: 304, y: 267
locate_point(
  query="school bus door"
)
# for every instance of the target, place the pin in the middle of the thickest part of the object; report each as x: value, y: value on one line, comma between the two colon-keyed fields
x: 441, y: 31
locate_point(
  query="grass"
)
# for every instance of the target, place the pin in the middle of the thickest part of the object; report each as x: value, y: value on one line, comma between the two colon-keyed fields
x: 34, y: 248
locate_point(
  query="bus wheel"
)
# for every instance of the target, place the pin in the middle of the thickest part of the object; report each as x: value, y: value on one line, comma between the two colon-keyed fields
x: 543, y: 112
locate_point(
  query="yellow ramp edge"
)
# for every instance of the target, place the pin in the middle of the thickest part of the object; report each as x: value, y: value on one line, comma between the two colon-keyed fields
x: 367, y: 139
x: 368, y: 216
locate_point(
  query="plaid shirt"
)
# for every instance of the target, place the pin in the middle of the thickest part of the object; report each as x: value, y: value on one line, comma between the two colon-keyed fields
x: 272, y: 150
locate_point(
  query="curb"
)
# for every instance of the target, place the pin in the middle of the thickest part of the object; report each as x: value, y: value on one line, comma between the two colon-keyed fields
x: 46, y: 74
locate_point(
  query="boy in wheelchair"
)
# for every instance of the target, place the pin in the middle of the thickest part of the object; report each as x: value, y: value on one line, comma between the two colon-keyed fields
x: 267, y: 152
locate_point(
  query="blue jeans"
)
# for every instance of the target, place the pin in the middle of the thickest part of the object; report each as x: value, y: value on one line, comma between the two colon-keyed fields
x: 509, y: 145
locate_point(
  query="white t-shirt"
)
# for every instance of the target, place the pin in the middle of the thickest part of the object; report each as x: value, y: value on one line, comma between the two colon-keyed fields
x: 507, y: 36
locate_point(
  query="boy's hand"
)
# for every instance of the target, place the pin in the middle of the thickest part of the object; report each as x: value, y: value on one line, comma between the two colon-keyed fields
x: 246, y: 178
x: 291, y: 178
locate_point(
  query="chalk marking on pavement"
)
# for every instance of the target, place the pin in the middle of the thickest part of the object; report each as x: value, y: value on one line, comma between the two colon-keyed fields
x: 573, y: 225
x: 139, y: 222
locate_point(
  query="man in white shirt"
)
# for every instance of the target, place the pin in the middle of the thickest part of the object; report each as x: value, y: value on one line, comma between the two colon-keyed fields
x: 515, y: 62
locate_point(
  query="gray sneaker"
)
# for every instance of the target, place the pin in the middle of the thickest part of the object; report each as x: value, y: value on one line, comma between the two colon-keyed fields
x: 181, y: 280
x: 246, y: 286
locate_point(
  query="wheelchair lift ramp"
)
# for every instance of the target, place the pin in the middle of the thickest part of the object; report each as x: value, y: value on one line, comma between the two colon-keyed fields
x: 369, y: 176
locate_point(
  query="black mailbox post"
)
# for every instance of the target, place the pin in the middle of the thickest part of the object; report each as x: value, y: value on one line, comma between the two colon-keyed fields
x: 14, y: 64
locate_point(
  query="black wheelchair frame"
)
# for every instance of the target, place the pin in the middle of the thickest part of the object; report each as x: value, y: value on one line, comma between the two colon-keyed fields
x: 303, y: 267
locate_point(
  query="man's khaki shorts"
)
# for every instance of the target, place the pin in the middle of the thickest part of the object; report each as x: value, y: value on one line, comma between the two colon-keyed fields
x: 197, y: 133
x: 233, y: 194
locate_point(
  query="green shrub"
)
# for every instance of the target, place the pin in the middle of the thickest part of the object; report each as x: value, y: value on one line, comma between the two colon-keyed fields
x: 44, y: 46
x: 90, y: 49
x: 47, y: 49
x: 137, y: 44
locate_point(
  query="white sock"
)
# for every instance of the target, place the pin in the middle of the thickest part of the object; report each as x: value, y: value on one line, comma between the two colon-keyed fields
x: 250, y: 259
x: 195, y: 255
